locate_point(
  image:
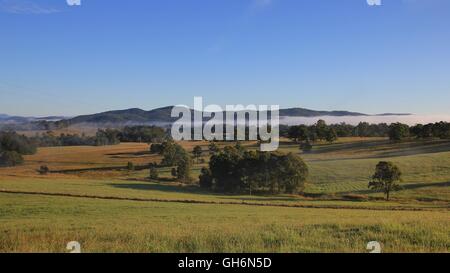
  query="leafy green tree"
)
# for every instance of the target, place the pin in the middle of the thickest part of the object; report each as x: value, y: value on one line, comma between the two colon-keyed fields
x: 184, y: 168
x: 10, y: 159
x: 156, y: 148
x: 385, y: 178
x: 398, y: 131
x: 154, y: 174
x: 239, y: 148
x: 107, y: 137
x: 298, y: 133
x: 223, y: 166
x: 197, y: 152
x: 172, y: 153
x: 213, y: 148
x: 174, y: 172
x: 331, y: 135
x: 205, y: 178
x: 321, y: 129
x: 292, y: 171
x: 11, y: 141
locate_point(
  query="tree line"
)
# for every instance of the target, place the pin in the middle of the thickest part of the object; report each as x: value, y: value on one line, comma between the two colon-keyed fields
x: 395, y: 131
x: 146, y: 134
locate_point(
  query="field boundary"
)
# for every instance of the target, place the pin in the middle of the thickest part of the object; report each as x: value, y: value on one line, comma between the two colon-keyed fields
x: 190, y: 201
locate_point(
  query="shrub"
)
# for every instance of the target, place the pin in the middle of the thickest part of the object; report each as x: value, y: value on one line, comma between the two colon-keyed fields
x: 10, y: 159
x: 174, y: 172
x: 154, y: 174
x: 306, y: 147
x: 43, y: 170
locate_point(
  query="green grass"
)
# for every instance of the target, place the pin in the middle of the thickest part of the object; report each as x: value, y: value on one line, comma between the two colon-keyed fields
x: 30, y: 223
x: 46, y: 224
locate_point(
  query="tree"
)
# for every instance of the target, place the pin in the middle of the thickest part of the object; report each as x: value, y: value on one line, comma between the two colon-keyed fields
x: 154, y: 174
x: 331, y: 135
x: 130, y: 166
x: 223, y: 166
x: 398, y: 131
x: 385, y: 178
x: 172, y: 153
x: 156, y: 148
x: 298, y: 133
x: 292, y: 173
x: 213, y: 148
x: 251, y: 171
x: 197, y: 152
x: 11, y: 141
x: 306, y: 147
x: 184, y: 168
x: 205, y: 178
x: 10, y: 159
x: 107, y: 137
x: 43, y: 170
x: 321, y: 129
x: 174, y: 172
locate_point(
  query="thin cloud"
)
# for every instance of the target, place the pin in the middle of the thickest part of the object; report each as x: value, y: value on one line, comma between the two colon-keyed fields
x: 25, y: 7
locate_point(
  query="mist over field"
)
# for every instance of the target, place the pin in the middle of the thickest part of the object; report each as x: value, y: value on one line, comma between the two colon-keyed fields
x: 354, y: 120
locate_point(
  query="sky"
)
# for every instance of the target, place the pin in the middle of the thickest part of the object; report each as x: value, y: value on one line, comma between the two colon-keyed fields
x: 57, y: 59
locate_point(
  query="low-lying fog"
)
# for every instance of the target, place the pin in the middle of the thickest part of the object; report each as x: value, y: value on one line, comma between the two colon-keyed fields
x: 354, y: 120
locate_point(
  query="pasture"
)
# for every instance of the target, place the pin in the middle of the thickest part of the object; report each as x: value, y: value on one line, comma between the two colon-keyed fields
x: 337, y: 213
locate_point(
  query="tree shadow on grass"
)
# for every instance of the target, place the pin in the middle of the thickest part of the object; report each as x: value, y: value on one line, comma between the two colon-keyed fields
x: 412, y: 186
x: 263, y: 198
x: 157, y: 187
x: 386, y: 148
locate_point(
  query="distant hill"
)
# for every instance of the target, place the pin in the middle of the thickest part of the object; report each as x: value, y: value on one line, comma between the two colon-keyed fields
x: 19, y: 119
x: 133, y: 115
x: 138, y: 116
x: 163, y: 115
x: 302, y: 112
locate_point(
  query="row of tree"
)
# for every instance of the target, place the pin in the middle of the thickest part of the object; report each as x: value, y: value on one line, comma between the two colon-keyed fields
x: 147, y: 134
x: 395, y: 131
x: 319, y: 131
x: 235, y: 170
x: 101, y: 138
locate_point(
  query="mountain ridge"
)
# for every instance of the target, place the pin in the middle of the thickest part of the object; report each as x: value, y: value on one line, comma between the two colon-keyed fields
x: 162, y: 115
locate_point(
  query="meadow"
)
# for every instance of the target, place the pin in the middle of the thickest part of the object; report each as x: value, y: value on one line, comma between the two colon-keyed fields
x: 91, y: 197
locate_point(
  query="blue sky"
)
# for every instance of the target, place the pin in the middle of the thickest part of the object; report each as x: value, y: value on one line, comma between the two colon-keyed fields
x: 319, y: 54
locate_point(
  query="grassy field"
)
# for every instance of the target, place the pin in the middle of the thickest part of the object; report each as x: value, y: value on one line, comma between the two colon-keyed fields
x: 337, y: 212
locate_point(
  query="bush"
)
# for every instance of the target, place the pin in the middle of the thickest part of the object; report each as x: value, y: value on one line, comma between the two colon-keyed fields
x: 10, y: 159
x: 174, y: 172
x: 154, y: 174
x: 130, y: 166
x: 306, y: 147
x: 43, y: 170
x: 156, y: 148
